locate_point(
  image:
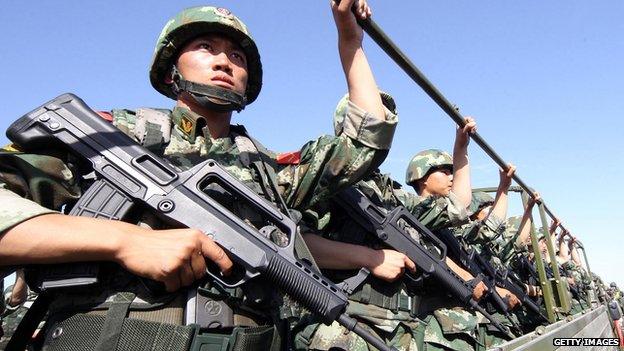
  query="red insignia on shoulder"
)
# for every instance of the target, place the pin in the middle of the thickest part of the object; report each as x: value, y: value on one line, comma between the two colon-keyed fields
x: 289, y: 158
x: 106, y: 115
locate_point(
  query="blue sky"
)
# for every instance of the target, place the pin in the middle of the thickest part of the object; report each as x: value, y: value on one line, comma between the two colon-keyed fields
x: 542, y: 78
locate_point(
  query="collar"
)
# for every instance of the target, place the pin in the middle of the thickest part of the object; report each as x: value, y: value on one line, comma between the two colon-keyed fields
x: 186, y: 121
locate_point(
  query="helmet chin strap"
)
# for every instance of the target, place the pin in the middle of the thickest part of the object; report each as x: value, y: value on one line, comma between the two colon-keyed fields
x: 208, y: 96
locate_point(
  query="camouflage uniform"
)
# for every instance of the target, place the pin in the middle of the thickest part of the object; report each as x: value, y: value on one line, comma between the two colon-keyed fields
x: 449, y: 325
x: 469, y: 329
x: 484, y: 236
x: 579, y: 289
x: 487, y: 238
x: 13, y: 314
x: 440, y: 327
x: 35, y: 184
x: 394, y: 325
x: 400, y: 327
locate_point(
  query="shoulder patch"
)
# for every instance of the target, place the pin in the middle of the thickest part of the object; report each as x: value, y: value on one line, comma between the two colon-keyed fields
x: 106, y: 115
x: 289, y: 158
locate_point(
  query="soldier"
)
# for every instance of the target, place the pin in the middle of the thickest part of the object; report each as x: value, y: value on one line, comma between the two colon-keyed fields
x: 206, y: 60
x: 384, y: 303
x: 487, y: 215
x: 443, y: 185
x: 572, y: 270
x: 484, y: 234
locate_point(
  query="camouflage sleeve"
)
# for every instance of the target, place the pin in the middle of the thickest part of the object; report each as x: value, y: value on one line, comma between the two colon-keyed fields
x: 15, y: 209
x: 32, y: 185
x: 373, y: 132
x: 437, y: 212
x: 329, y: 164
x: 125, y: 120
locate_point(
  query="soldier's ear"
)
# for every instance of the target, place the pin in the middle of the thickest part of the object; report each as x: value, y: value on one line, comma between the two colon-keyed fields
x: 169, y: 77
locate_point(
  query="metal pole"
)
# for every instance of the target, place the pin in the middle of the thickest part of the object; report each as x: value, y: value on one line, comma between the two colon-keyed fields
x: 549, y: 300
x: 518, y: 189
x: 395, y: 53
x: 378, y: 35
x: 561, y: 284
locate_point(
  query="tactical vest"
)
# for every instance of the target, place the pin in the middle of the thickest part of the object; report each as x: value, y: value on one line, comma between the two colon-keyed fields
x: 124, y: 314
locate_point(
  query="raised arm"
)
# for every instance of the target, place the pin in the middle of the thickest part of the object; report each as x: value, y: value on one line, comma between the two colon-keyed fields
x: 461, y: 170
x: 499, y: 208
x: 525, y: 223
x: 361, y: 83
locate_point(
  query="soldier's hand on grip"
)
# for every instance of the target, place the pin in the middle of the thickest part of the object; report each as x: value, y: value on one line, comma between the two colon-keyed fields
x: 390, y: 265
x: 175, y: 257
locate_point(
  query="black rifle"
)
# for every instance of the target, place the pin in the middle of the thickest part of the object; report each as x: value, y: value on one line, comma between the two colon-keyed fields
x: 508, y: 280
x: 392, y: 229
x: 128, y: 176
x: 476, y: 265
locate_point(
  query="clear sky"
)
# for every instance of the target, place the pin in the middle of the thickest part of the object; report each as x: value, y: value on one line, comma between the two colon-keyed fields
x: 544, y: 79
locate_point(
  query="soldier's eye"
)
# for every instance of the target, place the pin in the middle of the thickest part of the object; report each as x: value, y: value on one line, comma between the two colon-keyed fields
x: 238, y: 58
x: 205, y: 46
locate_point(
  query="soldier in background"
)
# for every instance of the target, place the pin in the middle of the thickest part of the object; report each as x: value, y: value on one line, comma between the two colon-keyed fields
x: 444, y: 193
x: 384, y: 302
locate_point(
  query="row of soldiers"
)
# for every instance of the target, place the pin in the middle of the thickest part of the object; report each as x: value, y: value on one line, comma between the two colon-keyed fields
x: 207, y: 61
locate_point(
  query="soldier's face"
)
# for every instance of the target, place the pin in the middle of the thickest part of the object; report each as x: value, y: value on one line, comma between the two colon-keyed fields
x: 439, y: 182
x: 214, y: 60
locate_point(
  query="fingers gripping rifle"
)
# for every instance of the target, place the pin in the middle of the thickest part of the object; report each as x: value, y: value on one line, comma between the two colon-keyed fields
x: 475, y: 264
x: 128, y: 176
x: 509, y: 281
x: 499, y: 277
x: 391, y: 229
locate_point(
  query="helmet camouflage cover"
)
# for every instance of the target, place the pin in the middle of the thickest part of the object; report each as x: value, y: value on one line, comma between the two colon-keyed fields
x: 341, y: 109
x: 480, y: 199
x: 424, y: 161
x: 196, y: 21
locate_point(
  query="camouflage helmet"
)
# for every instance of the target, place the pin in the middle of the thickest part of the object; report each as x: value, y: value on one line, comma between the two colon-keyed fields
x: 513, y: 223
x: 341, y: 109
x: 424, y: 161
x: 196, y: 21
x: 541, y: 233
x: 480, y: 199
x: 613, y: 285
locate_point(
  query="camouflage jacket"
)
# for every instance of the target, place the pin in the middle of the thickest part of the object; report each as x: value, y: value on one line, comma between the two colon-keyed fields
x: 34, y: 184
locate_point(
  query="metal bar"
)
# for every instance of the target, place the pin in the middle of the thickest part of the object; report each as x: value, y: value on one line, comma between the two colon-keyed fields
x: 398, y: 56
x: 518, y: 189
x: 562, y: 290
x: 549, y: 300
x: 387, y: 45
